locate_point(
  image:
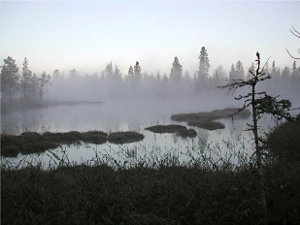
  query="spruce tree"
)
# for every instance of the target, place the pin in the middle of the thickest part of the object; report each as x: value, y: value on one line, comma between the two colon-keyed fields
x: 130, y: 72
x: 176, y: 70
x: 73, y: 73
x: 26, y: 80
x: 203, y: 65
x: 240, y: 70
x: 9, y: 78
x: 117, y: 74
x: 137, y: 70
x: 108, y: 72
x: 44, y: 80
x: 232, y: 72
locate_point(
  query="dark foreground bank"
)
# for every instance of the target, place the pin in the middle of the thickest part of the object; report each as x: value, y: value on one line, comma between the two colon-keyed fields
x: 168, y: 195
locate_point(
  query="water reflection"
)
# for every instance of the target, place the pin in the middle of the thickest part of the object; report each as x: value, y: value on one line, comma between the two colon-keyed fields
x: 111, y: 118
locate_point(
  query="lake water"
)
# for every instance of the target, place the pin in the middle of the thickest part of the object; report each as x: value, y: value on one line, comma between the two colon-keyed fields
x: 111, y: 117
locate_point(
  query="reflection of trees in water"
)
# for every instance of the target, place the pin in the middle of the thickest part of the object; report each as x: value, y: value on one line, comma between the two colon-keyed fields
x: 202, y: 138
x: 175, y: 138
x: 134, y: 126
x: 235, y: 128
x: 34, y: 121
x: 15, y: 123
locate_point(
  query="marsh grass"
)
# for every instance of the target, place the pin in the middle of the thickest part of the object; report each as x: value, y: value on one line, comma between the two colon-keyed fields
x: 147, y: 191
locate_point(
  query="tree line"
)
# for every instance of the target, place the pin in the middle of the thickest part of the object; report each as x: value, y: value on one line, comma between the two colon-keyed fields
x: 25, y: 84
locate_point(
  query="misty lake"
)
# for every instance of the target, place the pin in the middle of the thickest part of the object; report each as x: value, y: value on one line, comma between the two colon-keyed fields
x: 126, y: 116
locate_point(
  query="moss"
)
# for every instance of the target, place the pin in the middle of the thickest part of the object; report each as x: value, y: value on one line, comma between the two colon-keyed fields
x: 37, y: 147
x: 10, y: 151
x: 62, y: 138
x: 187, y: 133
x: 172, y: 128
x: 30, y: 134
x: 125, y: 137
x: 31, y: 142
x: 213, y: 115
x: 206, y: 121
x: 180, y: 130
x: 7, y: 140
x: 95, y: 132
x: 209, y: 125
x: 74, y: 134
x: 95, y: 139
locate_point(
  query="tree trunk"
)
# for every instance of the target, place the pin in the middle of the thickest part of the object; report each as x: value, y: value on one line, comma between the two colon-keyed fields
x: 258, y: 154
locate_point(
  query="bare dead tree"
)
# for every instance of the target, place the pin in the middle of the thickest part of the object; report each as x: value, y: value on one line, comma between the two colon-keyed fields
x: 296, y: 33
x: 260, y: 103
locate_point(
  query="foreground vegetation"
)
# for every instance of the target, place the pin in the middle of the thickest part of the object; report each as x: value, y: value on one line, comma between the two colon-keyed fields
x: 161, y: 193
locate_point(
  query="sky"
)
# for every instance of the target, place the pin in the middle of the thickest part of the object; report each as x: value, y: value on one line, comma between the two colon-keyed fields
x: 86, y: 35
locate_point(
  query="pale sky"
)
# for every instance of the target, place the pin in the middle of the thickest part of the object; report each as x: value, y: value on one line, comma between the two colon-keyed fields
x: 87, y: 35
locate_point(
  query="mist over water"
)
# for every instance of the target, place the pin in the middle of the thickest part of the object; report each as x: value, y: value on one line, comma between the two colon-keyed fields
x: 112, y: 102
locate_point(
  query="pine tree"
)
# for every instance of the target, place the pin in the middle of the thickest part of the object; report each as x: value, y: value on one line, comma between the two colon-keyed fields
x: 130, y: 72
x: 275, y: 73
x: 137, y: 70
x: 34, y: 87
x: 117, y: 74
x: 44, y: 79
x: 294, y: 68
x: 176, y: 71
x: 9, y: 78
x: 251, y: 68
x: 232, y: 72
x: 285, y: 74
x: 26, y: 80
x: 73, y: 73
x: 56, y: 74
x: 203, y: 65
x: 236, y: 72
x: 218, y: 76
x: 240, y: 70
x: 108, y: 72
x: 294, y: 75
